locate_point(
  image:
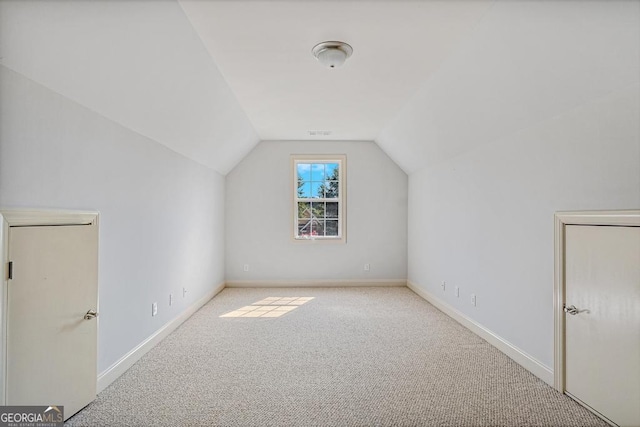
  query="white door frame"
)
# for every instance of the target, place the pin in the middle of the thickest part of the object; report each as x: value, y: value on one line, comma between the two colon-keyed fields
x: 25, y: 218
x: 562, y: 219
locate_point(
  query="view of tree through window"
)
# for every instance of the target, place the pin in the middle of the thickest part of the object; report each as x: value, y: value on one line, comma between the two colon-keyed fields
x: 318, y: 199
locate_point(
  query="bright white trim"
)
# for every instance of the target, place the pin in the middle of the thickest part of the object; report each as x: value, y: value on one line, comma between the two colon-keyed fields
x: 342, y: 198
x: 314, y: 283
x: 114, y: 371
x: 27, y: 217
x: 616, y: 218
x: 629, y: 218
x: 525, y: 360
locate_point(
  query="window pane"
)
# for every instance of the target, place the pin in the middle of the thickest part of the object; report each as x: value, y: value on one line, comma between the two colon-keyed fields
x: 304, y: 171
x: 300, y: 188
x: 317, y: 190
x: 332, y: 189
x: 304, y: 227
x: 332, y: 171
x: 317, y: 228
x: 317, y: 172
x: 331, y: 228
x: 332, y: 210
x: 304, y: 191
x: 304, y: 210
x: 318, y: 209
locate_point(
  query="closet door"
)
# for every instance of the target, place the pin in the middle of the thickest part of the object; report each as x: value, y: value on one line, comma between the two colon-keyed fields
x: 602, y: 320
x: 51, y: 323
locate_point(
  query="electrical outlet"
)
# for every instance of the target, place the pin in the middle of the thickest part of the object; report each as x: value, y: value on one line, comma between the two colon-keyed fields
x: 367, y: 267
x: 154, y: 309
x: 443, y: 285
x: 170, y: 299
x: 473, y: 299
x: 457, y: 291
x: 184, y: 292
x: 246, y: 267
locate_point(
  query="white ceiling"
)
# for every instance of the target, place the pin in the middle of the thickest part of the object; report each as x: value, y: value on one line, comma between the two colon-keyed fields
x: 427, y: 81
x: 139, y: 63
x: 263, y: 49
x: 525, y: 63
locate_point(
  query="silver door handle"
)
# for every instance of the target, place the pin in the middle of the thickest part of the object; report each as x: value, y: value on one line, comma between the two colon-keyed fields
x: 573, y: 310
x: 90, y: 315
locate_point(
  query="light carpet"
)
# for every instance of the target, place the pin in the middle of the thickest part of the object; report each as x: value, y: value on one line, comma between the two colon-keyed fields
x: 347, y: 357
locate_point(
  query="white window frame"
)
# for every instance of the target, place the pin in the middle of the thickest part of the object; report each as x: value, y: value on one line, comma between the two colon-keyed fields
x: 341, y: 160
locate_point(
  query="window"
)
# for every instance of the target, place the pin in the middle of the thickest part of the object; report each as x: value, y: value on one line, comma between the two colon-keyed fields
x: 319, y: 197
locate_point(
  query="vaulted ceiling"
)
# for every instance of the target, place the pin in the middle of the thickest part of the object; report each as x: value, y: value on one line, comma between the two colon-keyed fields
x: 263, y: 50
x: 427, y: 81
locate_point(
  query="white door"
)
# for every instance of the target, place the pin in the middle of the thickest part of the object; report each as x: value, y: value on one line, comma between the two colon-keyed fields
x: 602, y: 333
x: 51, y: 347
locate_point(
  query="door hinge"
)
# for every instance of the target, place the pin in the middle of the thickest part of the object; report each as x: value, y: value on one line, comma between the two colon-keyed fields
x: 10, y: 270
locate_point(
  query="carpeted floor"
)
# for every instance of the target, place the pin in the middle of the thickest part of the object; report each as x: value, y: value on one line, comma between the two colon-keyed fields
x: 347, y: 357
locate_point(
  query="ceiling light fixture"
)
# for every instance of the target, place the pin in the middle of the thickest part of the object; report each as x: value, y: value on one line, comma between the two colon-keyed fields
x: 332, y: 54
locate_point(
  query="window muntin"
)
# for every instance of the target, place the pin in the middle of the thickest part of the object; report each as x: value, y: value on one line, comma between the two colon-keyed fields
x: 319, y: 197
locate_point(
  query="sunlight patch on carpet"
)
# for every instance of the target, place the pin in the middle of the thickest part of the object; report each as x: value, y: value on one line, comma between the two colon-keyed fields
x: 269, y: 307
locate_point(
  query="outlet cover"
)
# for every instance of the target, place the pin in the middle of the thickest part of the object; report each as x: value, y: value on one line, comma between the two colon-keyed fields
x: 473, y: 299
x: 367, y: 267
x: 154, y: 309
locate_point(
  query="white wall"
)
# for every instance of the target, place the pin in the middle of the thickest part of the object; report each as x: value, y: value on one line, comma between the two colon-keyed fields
x: 537, y: 112
x: 161, y: 215
x: 484, y: 220
x: 259, y: 217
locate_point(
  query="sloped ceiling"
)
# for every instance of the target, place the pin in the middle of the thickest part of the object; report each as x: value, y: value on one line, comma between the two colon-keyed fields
x: 138, y: 63
x: 428, y: 79
x: 525, y: 62
x: 263, y: 49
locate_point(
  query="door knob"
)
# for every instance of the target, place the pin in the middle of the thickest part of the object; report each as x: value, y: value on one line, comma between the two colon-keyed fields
x: 90, y: 315
x: 573, y: 310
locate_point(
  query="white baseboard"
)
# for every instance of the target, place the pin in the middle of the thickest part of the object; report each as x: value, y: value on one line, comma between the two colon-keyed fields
x: 519, y: 356
x: 313, y: 283
x: 110, y: 374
